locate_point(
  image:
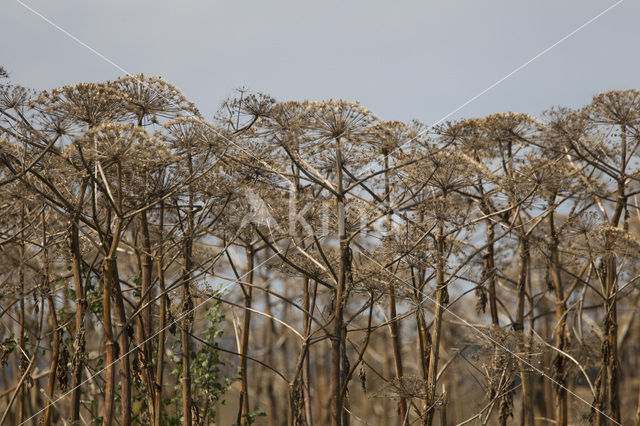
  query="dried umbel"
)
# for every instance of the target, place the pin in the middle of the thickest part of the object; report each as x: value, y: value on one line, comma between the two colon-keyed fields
x: 609, y: 240
x: 198, y: 136
x: 241, y: 113
x: 257, y: 105
x: 389, y: 136
x: 89, y: 104
x: 406, y: 387
x: 14, y: 97
x: 509, y: 126
x: 288, y: 116
x: 200, y: 149
x: 616, y: 107
x: 126, y: 162
x: 312, y: 133
x: 471, y: 135
x: 62, y: 371
x: 339, y: 119
x: 127, y: 145
x: 153, y: 97
x: 369, y: 278
x: 484, y: 137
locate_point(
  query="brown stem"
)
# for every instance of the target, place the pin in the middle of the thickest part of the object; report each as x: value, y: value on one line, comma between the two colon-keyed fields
x: 109, y: 389
x: 79, y: 340
x: 611, y: 326
x: 309, y: 302
x: 491, y: 271
x: 144, y: 329
x: 611, y: 306
x: 441, y: 300
x: 269, y: 335
x: 338, y: 337
x: 187, y: 303
x: 184, y: 336
x: 637, y: 423
x: 518, y: 326
x: 109, y: 265
x: 394, y: 325
x: 77, y: 363
x: 559, y: 361
x: 21, y: 394
x: 243, y: 408
x: 163, y: 325
x: 54, y: 323
x: 123, y: 340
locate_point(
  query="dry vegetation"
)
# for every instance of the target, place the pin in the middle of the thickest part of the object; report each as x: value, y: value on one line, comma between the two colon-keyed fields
x: 309, y: 263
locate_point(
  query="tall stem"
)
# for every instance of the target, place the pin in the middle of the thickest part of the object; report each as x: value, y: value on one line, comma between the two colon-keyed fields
x: 338, y: 337
x: 145, y: 326
x: 109, y: 265
x: 79, y: 340
x: 559, y: 373
x: 77, y: 363
x: 21, y: 333
x: 123, y: 340
x: 53, y: 366
x: 243, y: 409
x: 491, y: 271
x: 163, y: 323
x: 441, y: 299
x: 109, y: 390
x: 187, y: 303
x: 518, y: 326
x: 394, y: 326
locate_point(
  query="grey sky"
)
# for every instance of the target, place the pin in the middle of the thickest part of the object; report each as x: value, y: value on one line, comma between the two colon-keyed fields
x: 402, y: 59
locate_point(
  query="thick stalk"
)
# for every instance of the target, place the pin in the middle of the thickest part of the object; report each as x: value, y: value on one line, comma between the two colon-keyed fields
x: 394, y: 325
x: 559, y: 361
x: 518, y: 326
x: 306, y: 319
x: 184, y: 334
x: 611, y: 327
x: 337, y: 339
x: 608, y: 380
x: 163, y: 324
x: 638, y: 407
x: 307, y: 362
x: 611, y: 319
x: 187, y: 303
x: 109, y: 389
x: 53, y: 366
x: 438, y: 309
x: 424, y: 341
x: 268, y: 339
x: 424, y: 337
x: 21, y: 393
x: 145, y: 326
x: 109, y: 265
x: 611, y: 306
x: 491, y: 271
x: 79, y: 340
x: 123, y: 340
x: 298, y: 412
x: 490, y: 266
x: 243, y: 408
x: 77, y: 364
x: 602, y: 387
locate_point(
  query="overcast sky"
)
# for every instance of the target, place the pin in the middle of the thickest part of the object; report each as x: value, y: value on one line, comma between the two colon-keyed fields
x: 401, y: 59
